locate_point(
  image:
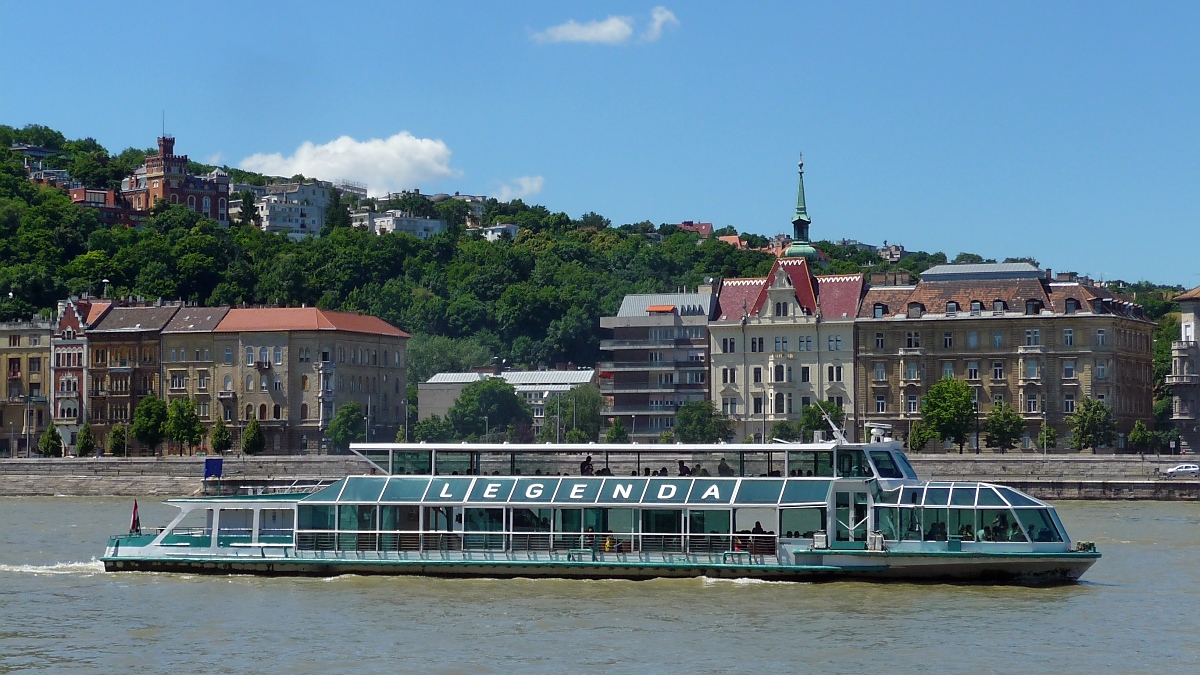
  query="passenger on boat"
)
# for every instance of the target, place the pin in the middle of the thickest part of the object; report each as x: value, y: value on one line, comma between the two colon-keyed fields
x: 984, y: 534
x: 758, y: 528
x: 683, y: 469
x: 663, y: 472
x: 647, y: 474
x: 700, y: 471
x: 723, y: 469
x: 937, y: 532
x: 586, y: 468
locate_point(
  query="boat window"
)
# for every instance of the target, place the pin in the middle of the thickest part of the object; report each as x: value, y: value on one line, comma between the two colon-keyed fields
x: 887, y: 521
x: 354, y: 517
x: 317, y: 517
x: 912, y: 495
x: 531, y: 520
x: 328, y: 494
x: 276, y: 524
x: 806, y: 491
x: 234, y: 525
x: 455, y: 463
x: 802, y: 522
x: 885, y: 465
x: 1038, y: 525
x: 399, y: 518
x: 483, y: 529
x: 662, y: 521
x: 811, y: 463
x: 963, y: 496
x: 194, y: 530
x: 962, y: 524
x: 405, y: 490
x: 1062, y: 531
x: 937, y: 496
x: 762, y: 464
x: 937, y: 525
x: 708, y: 521
x: 852, y: 463
x: 884, y: 496
x: 998, y: 525
x: 759, y: 492
x: 418, y: 463
x: 1016, y: 498
x: 362, y: 489
x: 902, y: 460
x: 910, y: 523
x: 988, y: 497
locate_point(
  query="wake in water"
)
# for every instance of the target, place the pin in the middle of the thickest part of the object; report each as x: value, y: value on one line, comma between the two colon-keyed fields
x: 91, y: 567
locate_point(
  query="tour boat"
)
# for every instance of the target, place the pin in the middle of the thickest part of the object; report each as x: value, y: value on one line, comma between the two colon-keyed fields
x: 787, y: 512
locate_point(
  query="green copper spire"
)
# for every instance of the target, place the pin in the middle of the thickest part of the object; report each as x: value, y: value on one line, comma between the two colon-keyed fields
x: 800, y: 247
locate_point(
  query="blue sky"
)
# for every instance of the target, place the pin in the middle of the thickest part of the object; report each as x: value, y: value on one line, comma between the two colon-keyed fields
x: 1065, y: 131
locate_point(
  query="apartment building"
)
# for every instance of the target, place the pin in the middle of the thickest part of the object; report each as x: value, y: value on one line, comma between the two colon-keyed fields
x: 124, y: 366
x: 1184, y: 379
x: 1014, y: 334
x: 24, y: 413
x: 189, y: 360
x: 294, y: 209
x: 385, y: 222
x: 291, y: 368
x: 69, y: 350
x: 657, y: 359
x: 438, y: 394
x: 782, y: 342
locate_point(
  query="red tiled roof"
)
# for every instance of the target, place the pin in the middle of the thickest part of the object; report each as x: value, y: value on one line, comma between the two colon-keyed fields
x: 736, y: 297
x: 839, y: 295
x: 263, y: 319
x: 702, y: 229
x: 661, y: 308
x: 802, y: 282
x: 97, y: 310
x: 1193, y: 294
x: 895, y: 297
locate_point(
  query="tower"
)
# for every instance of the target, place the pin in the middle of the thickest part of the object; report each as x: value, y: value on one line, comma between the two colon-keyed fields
x: 801, y: 248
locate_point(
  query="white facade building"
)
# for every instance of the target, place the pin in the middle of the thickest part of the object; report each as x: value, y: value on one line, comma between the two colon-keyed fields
x: 397, y: 221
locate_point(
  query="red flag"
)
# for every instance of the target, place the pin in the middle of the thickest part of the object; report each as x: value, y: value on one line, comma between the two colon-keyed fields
x: 135, y: 525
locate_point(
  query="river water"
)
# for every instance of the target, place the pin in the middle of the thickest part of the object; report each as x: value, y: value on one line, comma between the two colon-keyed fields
x: 1138, y: 610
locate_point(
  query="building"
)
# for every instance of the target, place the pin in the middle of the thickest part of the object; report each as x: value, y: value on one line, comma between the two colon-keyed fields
x: 705, y: 230
x: 165, y: 177
x: 124, y: 368
x: 346, y: 187
x: 497, y: 232
x: 112, y: 208
x: 291, y: 368
x: 397, y: 221
x: 438, y: 394
x: 657, y: 359
x: 1014, y: 335
x: 24, y: 413
x: 70, y: 388
x: 892, y: 254
x: 782, y: 342
x: 294, y: 209
x: 189, y: 360
x: 1184, y: 379
x: 477, y: 204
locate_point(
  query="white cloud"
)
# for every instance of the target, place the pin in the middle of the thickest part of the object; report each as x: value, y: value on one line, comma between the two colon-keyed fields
x: 660, y: 16
x: 215, y: 159
x: 520, y: 188
x: 614, y: 30
x: 400, y: 162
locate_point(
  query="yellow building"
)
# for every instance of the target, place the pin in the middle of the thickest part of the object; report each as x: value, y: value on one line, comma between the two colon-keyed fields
x: 24, y: 413
x: 188, y: 360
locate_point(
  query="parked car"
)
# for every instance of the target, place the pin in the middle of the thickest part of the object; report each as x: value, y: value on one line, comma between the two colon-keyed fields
x: 1183, y: 470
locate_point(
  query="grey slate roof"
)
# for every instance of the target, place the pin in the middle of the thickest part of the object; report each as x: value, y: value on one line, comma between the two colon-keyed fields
x: 135, y: 319
x: 196, y: 320
x: 688, y: 304
x: 1019, y: 270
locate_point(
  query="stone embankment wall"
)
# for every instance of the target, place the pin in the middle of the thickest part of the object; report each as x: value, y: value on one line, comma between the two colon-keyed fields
x: 1056, y: 477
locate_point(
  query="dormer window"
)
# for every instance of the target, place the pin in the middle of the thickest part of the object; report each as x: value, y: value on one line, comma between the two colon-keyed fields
x: 1033, y: 307
x: 1072, y: 305
x: 999, y: 306
x: 951, y: 308
x: 976, y: 307
x: 915, y: 310
x: 880, y: 310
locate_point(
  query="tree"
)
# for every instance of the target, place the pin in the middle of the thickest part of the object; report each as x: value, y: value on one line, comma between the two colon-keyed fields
x: 253, y: 440
x: 666, y: 437
x: 616, y: 433
x: 1091, y: 425
x: 578, y: 408
x: 1004, y: 426
x: 85, y: 442
x: 701, y: 422
x: 183, y: 424
x: 918, y: 436
x: 148, y: 421
x: 221, y: 440
x: 429, y: 355
x: 949, y: 411
x: 51, y: 444
x: 787, y: 431
x: 812, y: 417
x: 485, y: 405
x: 1140, y: 437
x: 1047, y: 437
x: 433, y: 429
x: 346, y: 427
x: 117, y: 443
x: 337, y: 213
x: 578, y: 436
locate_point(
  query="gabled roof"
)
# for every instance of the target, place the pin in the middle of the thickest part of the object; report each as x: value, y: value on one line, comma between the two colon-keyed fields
x: 270, y: 319
x: 838, y: 295
x: 196, y: 320
x: 802, y: 283
x: 736, y: 298
x: 749, y: 296
x: 135, y: 319
x: 1193, y: 294
x: 97, y: 310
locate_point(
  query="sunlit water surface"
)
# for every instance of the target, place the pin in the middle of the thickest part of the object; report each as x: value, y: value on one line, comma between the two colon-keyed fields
x: 1138, y: 610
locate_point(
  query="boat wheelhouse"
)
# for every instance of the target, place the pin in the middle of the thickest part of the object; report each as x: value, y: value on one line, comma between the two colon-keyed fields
x: 781, y: 511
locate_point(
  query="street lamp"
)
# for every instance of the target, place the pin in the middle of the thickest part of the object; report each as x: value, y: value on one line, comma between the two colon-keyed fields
x: 975, y: 410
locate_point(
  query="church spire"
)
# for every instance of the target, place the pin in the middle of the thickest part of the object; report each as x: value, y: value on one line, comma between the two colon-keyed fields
x: 800, y: 247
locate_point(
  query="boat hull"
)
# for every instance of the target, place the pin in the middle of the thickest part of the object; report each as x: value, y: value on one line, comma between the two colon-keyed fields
x: 1026, y: 569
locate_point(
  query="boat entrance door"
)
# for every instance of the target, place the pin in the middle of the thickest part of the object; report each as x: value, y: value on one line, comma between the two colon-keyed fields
x: 850, y: 518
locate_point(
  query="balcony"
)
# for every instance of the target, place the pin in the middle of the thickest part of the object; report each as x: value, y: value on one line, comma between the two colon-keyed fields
x: 1031, y: 349
x: 912, y: 351
x: 121, y: 366
x: 610, y: 345
x: 98, y: 393
x: 1183, y: 379
x: 262, y: 365
x: 1182, y: 347
x: 225, y: 395
x: 651, y: 365
x: 640, y: 409
x: 638, y: 387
